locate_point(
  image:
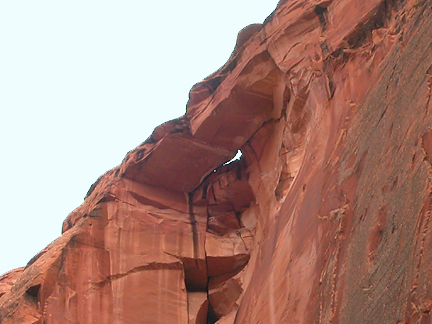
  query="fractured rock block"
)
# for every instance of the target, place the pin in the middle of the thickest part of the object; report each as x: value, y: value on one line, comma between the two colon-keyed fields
x: 227, y: 253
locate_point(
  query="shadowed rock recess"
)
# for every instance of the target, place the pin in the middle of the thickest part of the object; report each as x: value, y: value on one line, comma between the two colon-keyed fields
x: 325, y: 218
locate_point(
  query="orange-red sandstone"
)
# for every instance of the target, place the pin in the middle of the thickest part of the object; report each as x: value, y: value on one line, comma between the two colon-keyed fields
x: 324, y: 219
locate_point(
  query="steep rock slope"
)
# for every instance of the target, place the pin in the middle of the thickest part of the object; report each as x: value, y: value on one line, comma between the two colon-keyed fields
x: 324, y: 219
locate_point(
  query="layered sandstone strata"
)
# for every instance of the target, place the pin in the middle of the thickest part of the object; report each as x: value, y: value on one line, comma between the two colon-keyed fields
x: 324, y: 219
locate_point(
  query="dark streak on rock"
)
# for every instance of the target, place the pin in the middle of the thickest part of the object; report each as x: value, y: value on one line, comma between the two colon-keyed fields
x: 322, y: 13
x: 193, y: 224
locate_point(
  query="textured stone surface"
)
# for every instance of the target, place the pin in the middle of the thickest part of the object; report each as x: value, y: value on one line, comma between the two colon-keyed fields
x: 324, y: 219
x: 8, y: 280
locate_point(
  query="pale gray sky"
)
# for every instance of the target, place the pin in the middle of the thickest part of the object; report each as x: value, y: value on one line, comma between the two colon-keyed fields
x: 84, y: 82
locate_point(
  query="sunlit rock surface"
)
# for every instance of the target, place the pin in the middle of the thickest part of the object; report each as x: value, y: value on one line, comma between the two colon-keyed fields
x: 324, y: 219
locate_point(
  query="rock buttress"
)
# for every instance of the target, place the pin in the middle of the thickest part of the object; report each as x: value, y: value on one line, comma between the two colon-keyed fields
x: 324, y: 219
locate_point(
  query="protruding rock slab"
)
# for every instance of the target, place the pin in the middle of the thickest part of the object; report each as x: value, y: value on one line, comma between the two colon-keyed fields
x: 184, y: 170
x: 227, y: 253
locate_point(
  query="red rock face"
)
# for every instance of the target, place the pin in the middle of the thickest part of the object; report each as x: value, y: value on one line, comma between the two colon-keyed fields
x: 7, y: 281
x: 324, y: 219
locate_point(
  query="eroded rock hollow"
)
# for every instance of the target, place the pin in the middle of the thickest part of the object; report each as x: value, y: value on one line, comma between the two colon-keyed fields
x: 325, y: 218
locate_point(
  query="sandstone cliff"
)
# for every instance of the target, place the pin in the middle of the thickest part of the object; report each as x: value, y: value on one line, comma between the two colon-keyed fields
x: 325, y: 218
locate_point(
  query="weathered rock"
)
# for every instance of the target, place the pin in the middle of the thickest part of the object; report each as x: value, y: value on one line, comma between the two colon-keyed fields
x: 224, y: 291
x: 198, y: 307
x: 324, y: 219
x: 227, y: 253
x: 8, y: 280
